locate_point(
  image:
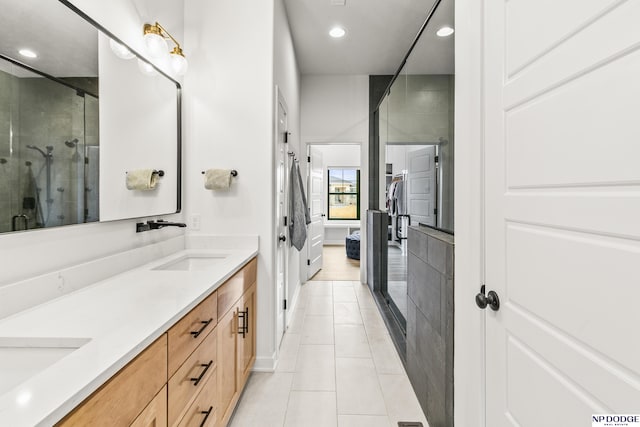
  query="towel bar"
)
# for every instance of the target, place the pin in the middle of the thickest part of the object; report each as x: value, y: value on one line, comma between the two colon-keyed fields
x: 155, y: 172
x: 233, y: 172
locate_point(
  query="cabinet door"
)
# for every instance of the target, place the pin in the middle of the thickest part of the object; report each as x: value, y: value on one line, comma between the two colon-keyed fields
x: 227, y: 358
x: 155, y: 414
x: 246, y: 340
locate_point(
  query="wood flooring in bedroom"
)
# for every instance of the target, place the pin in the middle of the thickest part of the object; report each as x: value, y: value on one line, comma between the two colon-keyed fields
x: 336, y: 265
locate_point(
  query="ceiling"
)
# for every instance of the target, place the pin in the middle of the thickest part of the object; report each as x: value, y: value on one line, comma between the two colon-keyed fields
x: 379, y: 33
x: 67, y: 46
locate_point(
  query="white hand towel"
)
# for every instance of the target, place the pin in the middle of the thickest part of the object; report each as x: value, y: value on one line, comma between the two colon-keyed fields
x: 217, y: 179
x: 142, y: 179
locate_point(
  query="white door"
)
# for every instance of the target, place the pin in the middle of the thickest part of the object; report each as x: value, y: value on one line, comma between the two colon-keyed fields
x: 562, y: 177
x: 282, y: 245
x: 421, y: 185
x: 316, y: 208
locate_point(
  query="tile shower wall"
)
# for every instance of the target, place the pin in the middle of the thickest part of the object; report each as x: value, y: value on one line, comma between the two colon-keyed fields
x: 40, y: 112
x: 8, y: 164
x: 430, y: 322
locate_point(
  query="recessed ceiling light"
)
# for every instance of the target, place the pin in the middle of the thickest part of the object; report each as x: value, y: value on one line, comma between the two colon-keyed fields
x: 444, y: 32
x: 337, y: 32
x: 28, y: 53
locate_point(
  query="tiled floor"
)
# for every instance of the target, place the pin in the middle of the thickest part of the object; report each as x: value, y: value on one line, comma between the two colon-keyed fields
x: 338, y: 367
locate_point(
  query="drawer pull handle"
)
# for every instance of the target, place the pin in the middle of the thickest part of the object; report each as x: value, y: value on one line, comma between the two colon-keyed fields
x: 244, y: 328
x: 206, y: 367
x: 206, y: 415
x: 204, y: 323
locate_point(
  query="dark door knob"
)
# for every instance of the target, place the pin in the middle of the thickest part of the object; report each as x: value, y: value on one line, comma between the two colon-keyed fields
x: 491, y: 299
x: 282, y: 238
x: 481, y: 300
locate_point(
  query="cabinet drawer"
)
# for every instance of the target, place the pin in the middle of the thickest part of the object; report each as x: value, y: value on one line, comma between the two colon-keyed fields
x: 192, y: 377
x: 237, y: 285
x: 203, y: 412
x: 119, y: 401
x: 155, y: 414
x: 191, y: 330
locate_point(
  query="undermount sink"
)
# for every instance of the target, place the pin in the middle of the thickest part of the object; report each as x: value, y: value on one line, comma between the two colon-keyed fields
x: 192, y: 263
x: 23, y: 358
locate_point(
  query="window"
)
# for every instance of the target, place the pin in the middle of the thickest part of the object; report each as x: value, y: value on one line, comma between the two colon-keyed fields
x: 344, y: 194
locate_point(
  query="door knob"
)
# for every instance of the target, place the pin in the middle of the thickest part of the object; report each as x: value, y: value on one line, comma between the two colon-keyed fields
x: 282, y: 238
x: 481, y: 300
x: 491, y: 299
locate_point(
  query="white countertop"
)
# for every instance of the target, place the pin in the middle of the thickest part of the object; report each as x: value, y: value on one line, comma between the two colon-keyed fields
x: 120, y: 316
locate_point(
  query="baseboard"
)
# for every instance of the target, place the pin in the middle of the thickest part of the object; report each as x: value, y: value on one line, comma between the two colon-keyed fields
x: 293, y: 303
x: 265, y: 364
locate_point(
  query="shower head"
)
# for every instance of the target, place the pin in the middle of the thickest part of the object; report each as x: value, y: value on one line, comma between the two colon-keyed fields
x: 45, y: 155
x: 72, y: 143
x: 33, y: 147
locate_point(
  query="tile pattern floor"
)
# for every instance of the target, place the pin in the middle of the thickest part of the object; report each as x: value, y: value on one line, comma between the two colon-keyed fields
x: 337, y: 367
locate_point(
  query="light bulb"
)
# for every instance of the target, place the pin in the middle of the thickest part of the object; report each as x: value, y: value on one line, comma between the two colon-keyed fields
x: 337, y: 32
x: 27, y: 53
x: 444, y: 31
x: 120, y: 50
x: 146, y: 68
x: 179, y: 64
x: 156, y: 44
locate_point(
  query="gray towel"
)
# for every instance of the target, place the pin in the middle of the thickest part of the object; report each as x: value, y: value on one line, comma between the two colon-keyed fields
x: 298, y: 212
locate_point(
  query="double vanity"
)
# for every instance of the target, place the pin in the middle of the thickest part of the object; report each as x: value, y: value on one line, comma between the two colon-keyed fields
x: 170, y: 342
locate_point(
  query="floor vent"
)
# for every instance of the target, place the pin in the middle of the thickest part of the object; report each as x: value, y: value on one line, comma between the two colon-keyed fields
x: 409, y: 424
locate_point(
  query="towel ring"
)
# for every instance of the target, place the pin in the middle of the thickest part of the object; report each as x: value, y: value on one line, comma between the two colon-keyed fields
x: 233, y: 172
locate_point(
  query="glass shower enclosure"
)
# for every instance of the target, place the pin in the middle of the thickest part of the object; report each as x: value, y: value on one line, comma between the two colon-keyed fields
x: 49, y: 148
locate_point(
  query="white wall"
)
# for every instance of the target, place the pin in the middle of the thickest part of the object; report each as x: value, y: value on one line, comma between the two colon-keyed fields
x: 286, y: 75
x: 240, y: 51
x: 27, y: 254
x: 335, y: 109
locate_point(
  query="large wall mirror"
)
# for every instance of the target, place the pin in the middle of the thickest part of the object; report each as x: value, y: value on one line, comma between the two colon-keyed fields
x: 75, y: 119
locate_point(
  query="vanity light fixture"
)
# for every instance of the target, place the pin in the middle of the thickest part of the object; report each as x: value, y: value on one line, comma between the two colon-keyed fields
x: 28, y: 53
x: 155, y: 37
x: 445, y: 31
x: 337, y: 32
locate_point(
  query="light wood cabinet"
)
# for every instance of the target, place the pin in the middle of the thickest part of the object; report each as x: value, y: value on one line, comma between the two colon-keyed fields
x: 227, y: 359
x: 121, y: 399
x: 203, y: 412
x: 192, y: 375
x: 191, y: 331
x: 236, y: 344
x: 155, y: 414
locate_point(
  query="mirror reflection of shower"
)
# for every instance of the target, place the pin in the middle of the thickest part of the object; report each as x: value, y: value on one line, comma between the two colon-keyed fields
x: 74, y: 144
x: 48, y: 160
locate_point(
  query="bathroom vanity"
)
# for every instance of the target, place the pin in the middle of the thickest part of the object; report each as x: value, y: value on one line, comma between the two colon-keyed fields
x: 171, y: 342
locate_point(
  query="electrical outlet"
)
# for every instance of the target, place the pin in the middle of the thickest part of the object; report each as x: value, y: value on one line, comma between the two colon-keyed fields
x: 195, y: 222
